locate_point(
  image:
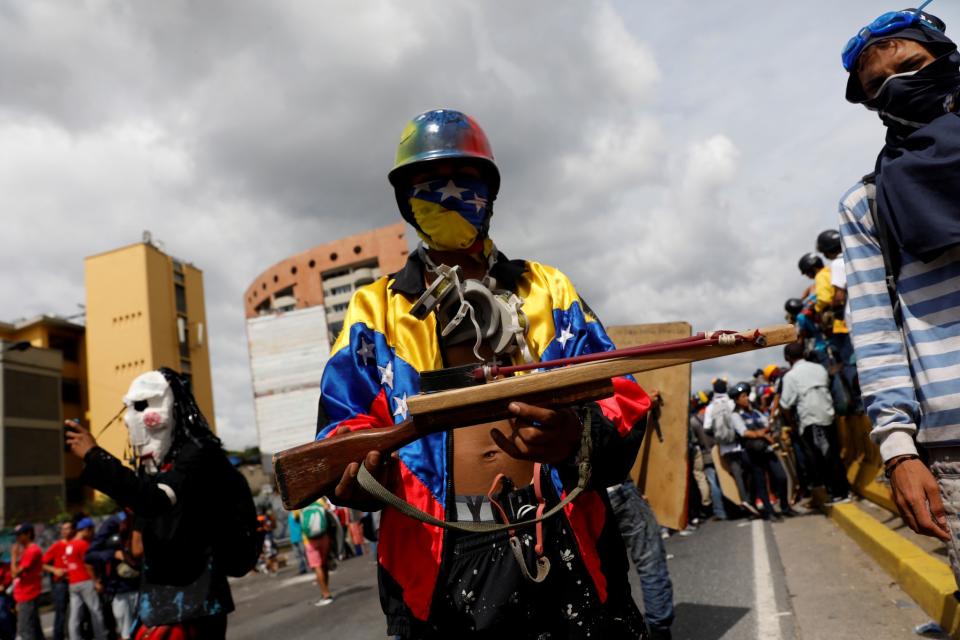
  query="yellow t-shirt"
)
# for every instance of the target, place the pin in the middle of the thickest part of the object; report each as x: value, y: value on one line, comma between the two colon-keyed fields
x: 823, y: 285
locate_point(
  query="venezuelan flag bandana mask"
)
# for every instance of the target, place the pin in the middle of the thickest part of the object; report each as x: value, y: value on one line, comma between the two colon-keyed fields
x: 451, y: 213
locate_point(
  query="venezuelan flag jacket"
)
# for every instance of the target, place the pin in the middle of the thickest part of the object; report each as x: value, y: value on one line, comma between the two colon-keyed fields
x: 372, y: 372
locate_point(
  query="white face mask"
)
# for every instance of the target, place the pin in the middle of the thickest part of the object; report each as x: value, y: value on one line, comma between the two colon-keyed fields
x: 149, y: 419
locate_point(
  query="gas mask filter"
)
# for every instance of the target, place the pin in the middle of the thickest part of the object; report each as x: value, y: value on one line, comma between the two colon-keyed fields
x: 474, y: 311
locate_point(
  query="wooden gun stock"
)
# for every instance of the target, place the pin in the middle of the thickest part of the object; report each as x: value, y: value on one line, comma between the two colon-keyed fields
x: 314, y: 469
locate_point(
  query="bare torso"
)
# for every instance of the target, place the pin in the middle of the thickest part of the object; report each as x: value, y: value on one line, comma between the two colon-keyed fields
x: 476, y: 457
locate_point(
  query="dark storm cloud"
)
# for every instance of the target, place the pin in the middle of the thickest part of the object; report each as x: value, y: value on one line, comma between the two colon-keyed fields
x: 674, y: 160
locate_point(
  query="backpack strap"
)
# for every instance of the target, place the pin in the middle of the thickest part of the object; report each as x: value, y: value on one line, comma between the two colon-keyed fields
x: 891, y: 258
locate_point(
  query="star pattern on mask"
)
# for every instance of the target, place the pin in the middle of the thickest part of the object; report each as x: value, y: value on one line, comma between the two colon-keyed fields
x: 366, y: 351
x: 386, y: 375
x: 451, y: 190
x: 423, y: 186
x: 400, y: 408
x: 565, y: 336
x: 478, y: 202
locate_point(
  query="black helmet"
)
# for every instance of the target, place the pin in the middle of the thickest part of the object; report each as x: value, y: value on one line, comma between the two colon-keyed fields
x: 719, y: 385
x: 739, y: 388
x: 828, y: 242
x: 809, y: 264
x: 793, y: 306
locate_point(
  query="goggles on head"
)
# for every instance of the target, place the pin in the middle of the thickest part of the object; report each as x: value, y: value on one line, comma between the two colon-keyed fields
x: 886, y: 24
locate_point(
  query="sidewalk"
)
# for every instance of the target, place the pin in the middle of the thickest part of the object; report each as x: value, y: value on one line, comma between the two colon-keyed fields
x: 918, y: 564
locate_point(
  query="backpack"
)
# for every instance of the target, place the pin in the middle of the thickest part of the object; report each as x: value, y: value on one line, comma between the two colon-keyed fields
x: 314, y: 521
x: 722, y: 423
x: 238, y: 542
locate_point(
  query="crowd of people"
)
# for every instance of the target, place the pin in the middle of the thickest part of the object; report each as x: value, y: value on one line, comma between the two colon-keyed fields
x: 93, y: 574
x: 320, y: 536
x: 776, y: 432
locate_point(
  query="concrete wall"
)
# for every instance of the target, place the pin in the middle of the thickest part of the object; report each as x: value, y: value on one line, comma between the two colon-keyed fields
x: 288, y: 352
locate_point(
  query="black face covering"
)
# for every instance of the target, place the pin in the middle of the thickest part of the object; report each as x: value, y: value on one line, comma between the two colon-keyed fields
x: 918, y: 170
x: 910, y: 101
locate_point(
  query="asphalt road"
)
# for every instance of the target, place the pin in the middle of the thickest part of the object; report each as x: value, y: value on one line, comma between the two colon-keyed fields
x: 739, y: 580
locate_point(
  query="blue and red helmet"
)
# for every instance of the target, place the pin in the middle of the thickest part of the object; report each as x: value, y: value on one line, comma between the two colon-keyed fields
x: 447, y: 135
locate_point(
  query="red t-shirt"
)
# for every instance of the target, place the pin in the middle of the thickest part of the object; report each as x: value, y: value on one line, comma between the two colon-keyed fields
x: 54, y: 556
x: 73, y: 558
x: 27, y: 586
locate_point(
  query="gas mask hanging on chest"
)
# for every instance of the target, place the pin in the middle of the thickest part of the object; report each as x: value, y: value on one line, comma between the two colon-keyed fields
x: 474, y: 312
x: 150, y: 419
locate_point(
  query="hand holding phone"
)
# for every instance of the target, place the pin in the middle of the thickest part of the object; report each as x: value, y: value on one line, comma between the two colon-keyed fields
x: 78, y: 438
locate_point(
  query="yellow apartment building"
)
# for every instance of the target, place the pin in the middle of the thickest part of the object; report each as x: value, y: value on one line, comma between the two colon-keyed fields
x: 145, y: 310
x: 41, y: 385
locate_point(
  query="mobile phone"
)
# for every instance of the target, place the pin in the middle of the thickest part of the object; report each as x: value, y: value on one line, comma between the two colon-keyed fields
x: 67, y: 428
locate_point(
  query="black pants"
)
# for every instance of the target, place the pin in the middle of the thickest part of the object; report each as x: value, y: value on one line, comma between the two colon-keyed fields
x: 60, y: 593
x: 824, y: 448
x: 765, y: 463
x: 485, y: 597
x: 735, y: 463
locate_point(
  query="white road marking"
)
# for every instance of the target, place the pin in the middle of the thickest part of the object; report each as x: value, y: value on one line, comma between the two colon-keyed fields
x: 765, y: 602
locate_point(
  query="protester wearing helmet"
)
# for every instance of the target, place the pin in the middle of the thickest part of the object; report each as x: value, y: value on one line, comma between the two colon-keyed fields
x: 718, y: 423
x: 753, y: 428
x: 901, y: 240
x: 445, y: 181
x: 832, y: 302
x: 801, y: 313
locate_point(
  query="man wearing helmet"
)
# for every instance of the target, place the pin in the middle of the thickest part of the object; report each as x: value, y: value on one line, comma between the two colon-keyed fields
x: 753, y: 429
x: 439, y: 582
x: 901, y: 242
x: 834, y: 302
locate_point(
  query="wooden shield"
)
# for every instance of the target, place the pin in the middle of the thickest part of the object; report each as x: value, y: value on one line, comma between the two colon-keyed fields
x: 661, y: 467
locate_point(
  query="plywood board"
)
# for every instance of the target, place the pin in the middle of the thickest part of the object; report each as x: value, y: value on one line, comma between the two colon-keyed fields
x: 660, y: 470
x: 727, y: 484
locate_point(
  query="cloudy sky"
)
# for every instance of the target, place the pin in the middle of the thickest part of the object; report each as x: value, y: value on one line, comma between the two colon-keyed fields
x: 674, y: 158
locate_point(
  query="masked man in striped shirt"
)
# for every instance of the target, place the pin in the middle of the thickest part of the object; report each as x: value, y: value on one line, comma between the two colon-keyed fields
x: 901, y: 241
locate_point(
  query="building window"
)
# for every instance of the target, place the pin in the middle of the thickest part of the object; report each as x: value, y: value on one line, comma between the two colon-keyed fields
x: 341, y: 289
x: 183, y: 335
x: 342, y: 306
x: 357, y: 249
x: 334, y: 330
x: 28, y: 395
x: 186, y: 375
x: 293, y: 270
x: 333, y: 257
x: 66, y: 345
x: 181, y: 295
x: 31, y: 451
x: 70, y: 390
x: 312, y: 264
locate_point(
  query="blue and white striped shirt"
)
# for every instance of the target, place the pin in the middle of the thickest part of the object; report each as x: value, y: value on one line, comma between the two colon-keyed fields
x: 910, y: 380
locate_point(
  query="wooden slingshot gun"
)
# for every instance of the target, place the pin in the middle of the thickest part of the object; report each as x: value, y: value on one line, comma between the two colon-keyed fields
x: 476, y: 394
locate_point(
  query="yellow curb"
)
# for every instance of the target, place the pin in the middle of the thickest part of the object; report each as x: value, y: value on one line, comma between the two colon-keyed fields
x: 924, y: 578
